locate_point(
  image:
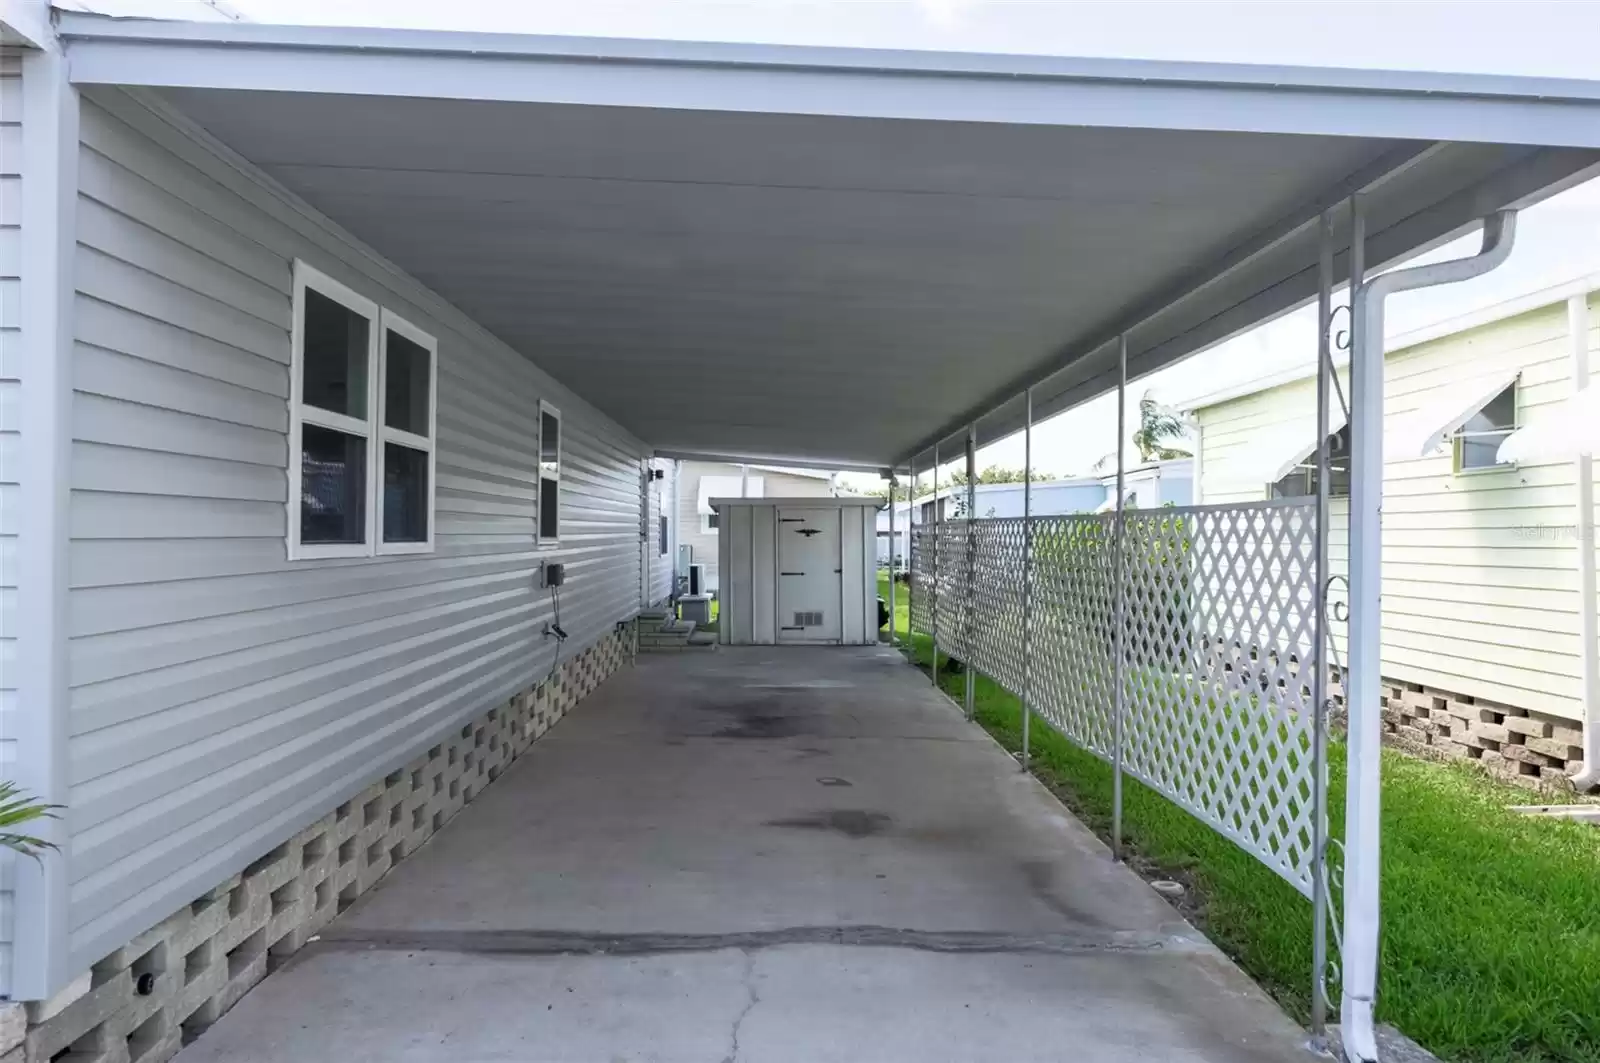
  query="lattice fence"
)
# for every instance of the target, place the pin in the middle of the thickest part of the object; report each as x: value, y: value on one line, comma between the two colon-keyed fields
x: 1218, y: 641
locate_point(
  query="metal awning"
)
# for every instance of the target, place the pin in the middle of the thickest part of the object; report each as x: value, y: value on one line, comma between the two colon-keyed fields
x: 1570, y: 430
x: 1283, y: 450
x: 1423, y: 432
x: 836, y: 256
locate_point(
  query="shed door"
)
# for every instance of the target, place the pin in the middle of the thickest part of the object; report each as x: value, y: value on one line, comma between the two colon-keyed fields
x: 809, y: 563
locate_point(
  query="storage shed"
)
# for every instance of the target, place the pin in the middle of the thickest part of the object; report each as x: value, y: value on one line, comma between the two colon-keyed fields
x: 798, y: 571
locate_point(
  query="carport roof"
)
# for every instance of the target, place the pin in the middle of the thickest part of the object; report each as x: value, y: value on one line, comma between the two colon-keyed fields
x: 835, y: 256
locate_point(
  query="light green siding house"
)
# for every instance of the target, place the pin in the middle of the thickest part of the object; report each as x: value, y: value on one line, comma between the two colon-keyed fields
x: 1481, y: 602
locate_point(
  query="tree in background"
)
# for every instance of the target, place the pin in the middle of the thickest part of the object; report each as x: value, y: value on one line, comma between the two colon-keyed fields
x: 1158, y: 426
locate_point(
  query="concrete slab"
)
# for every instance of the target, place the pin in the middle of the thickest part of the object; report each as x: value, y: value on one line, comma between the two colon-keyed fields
x: 759, y: 854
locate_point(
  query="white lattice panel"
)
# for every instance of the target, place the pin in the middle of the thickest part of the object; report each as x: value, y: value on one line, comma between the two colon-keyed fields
x: 1220, y: 643
x: 1218, y: 646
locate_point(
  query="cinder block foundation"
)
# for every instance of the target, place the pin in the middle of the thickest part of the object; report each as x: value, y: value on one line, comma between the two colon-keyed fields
x: 147, y: 999
x: 1517, y: 745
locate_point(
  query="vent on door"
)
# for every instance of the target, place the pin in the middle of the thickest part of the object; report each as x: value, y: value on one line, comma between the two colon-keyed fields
x: 808, y: 619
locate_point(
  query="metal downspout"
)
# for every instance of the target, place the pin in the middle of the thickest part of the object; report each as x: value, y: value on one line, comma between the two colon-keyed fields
x: 1119, y: 591
x: 1589, y: 777
x: 1363, y: 689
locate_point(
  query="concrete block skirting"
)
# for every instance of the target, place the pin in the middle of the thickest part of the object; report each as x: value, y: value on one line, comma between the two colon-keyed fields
x: 147, y: 999
x: 1517, y: 745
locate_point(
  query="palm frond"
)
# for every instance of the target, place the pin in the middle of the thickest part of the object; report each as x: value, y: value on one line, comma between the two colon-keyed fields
x: 17, y: 809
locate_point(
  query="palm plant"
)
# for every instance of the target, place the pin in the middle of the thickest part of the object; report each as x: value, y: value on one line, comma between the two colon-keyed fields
x: 1158, y: 425
x: 17, y: 809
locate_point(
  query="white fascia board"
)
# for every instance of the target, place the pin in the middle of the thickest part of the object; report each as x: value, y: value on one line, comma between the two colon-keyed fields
x: 1133, y: 94
x: 26, y: 23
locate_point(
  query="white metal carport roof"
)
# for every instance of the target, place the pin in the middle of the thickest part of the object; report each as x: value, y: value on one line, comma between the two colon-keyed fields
x: 840, y: 256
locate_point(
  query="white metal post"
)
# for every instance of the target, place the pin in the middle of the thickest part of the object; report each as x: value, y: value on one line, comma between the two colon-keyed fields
x: 1364, y: 687
x: 894, y: 482
x: 911, y: 576
x: 933, y: 602
x: 1027, y: 572
x: 1578, y: 337
x: 1319, y: 658
x: 1120, y: 591
x: 968, y: 611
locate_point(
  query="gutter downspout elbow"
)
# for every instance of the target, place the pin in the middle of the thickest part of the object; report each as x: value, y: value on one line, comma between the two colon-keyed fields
x: 1363, y: 794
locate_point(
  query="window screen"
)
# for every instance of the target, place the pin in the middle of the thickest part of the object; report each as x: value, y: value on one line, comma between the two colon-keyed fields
x: 1478, y: 442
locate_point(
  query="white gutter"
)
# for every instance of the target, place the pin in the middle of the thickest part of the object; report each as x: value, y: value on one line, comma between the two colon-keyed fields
x: 1578, y: 337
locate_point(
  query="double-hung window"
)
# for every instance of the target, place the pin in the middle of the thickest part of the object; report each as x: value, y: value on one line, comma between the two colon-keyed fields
x: 361, y: 426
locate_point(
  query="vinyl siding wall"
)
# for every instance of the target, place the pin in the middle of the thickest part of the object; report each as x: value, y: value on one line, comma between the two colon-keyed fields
x: 777, y: 485
x: 223, y: 697
x: 10, y: 445
x: 1480, y: 574
x: 660, y: 500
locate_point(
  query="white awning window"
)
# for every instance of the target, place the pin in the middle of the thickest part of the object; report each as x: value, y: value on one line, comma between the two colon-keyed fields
x: 1423, y: 432
x: 729, y: 487
x: 1569, y: 430
x: 1287, y: 448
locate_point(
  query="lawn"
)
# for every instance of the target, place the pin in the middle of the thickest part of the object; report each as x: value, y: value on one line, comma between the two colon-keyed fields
x: 1491, y: 921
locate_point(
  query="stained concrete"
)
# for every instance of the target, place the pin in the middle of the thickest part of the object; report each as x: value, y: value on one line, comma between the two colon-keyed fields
x: 759, y: 855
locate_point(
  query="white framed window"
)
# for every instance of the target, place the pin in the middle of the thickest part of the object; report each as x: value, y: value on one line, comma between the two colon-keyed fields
x: 333, y: 393
x: 408, y: 374
x: 709, y: 523
x: 1302, y: 479
x: 1477, y: 445
x: 549, y: 474
x: 362, y: 413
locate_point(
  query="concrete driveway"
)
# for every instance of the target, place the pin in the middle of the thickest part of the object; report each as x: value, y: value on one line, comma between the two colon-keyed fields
x: 759, y: 855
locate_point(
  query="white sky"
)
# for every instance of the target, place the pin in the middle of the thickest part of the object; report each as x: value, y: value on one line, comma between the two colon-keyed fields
x: 1557, y: 241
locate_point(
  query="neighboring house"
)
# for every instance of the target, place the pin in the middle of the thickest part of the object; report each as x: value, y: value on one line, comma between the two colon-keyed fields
x: 1146, y: 486
x: 700, y: 481
x: 1481, y: 559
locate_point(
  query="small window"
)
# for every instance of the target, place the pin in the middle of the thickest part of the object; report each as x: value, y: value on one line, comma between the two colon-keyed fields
x: 549, y: 473
x: 1302, y: 479
x: 334, y: 356
x: 1477, y: 445
x: 407, y: 372
x: 708, y: 522
x: 662, y: 530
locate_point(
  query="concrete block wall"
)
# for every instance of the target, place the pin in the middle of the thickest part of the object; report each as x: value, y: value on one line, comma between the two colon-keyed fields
x: 147, y: 999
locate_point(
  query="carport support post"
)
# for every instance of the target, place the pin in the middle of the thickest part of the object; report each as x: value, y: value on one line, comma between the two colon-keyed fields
x: 967, y: 611
x: 911, y: 568
x: 933, y: 603
x: 894, y: 482
x: 1319, y: 675
x: 1027, y: 570
x: 1119, y: 572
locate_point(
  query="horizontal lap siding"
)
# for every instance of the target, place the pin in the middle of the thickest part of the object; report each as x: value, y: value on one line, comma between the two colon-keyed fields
x: 10, y: 445
x: 661, y: 564
x: 223, y: 697
x: 1480, y: 585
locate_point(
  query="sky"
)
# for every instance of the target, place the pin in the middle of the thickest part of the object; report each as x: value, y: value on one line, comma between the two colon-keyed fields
x: 1557, y: 241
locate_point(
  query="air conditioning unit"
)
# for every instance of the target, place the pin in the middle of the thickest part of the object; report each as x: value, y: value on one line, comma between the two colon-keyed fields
x: 697, y: 579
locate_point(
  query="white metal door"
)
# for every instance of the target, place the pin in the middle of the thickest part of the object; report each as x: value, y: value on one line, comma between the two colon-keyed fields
x: 809, y: 564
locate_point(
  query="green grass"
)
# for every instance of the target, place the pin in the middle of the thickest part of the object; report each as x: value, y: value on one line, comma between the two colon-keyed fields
x: 1491, y: 921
